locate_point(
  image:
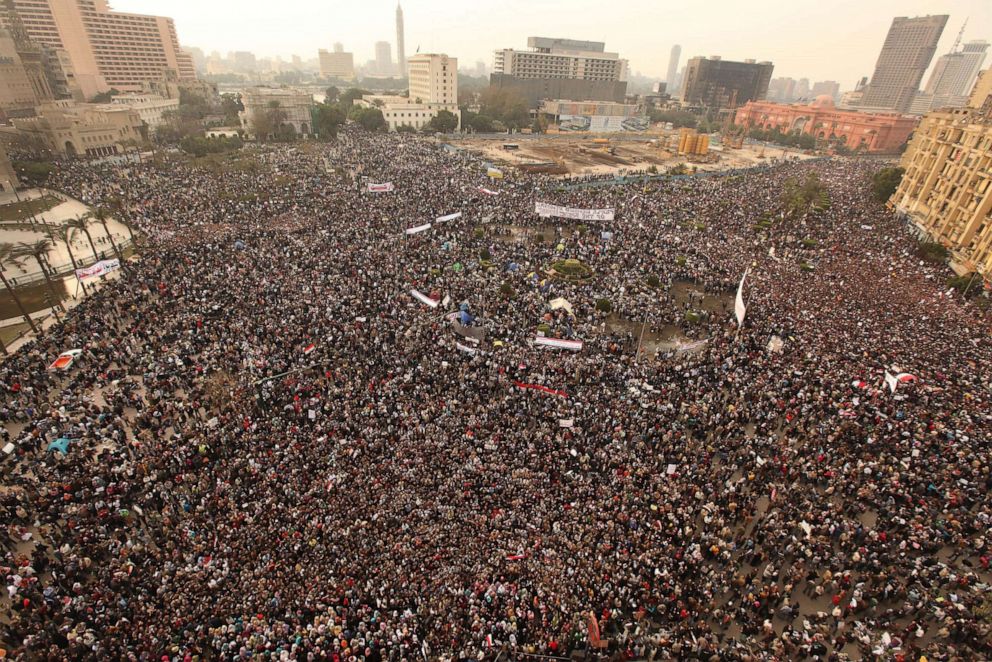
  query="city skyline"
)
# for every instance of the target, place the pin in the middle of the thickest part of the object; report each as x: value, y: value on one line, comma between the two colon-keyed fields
x: 796, y: 51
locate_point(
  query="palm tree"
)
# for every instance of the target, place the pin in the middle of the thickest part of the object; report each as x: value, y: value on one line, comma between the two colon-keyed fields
x: 7, y: 257
x: 64, y: 233
x: 100, y: 215
x: 82, y: 223
x: 39, y: 252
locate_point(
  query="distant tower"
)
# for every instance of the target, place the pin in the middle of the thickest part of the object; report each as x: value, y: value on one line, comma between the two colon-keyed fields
x: 400, y: 50
x: 673, y: 67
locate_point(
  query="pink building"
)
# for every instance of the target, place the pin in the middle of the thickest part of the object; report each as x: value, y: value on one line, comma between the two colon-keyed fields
x: 872, y: 132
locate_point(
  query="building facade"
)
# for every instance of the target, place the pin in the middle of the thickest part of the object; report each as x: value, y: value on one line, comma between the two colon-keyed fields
x: 869, y: 132
x: 107, y: 49
x: 295, y: 104
x: 908, y: 49
x: 952, y: 78
x: 383, y: 58
x: 17, y: 95
x: 434, y: 78
x: 673, y: 66
x: 151, y: 108
x: 337, y: 64
x: 91, y: 130
x: 561, y: 69
x: 717, y: 83
x: 946, y: 191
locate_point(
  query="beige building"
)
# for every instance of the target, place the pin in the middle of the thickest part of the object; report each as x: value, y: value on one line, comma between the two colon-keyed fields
x: 908, y: 49
x: 91, y: 130
x: 434, y: 79
x: 296, y: 104
x: 946, y: 191
x: 337, y: 64
x: 17, y: 95
x: 8, y: 179
x: 151, y: 108
x: 107, y: 49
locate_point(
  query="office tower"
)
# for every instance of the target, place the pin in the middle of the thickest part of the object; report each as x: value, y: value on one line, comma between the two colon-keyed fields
x: 954, y: 74
x: 716, y: 83
x: 400, y: 47
x: 337, y: 64
x: 433, y: 78
x: 383, y: 58
x: 909, y: 46
x: 561, y: 69
x: 107, y: 49
x: 829, y: 87
x: 673, y: 66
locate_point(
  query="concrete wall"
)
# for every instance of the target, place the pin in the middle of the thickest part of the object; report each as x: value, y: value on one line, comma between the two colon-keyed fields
x: 536, y: 89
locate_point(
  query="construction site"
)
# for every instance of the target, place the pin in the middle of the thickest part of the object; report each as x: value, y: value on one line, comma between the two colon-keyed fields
x: 570, y: 154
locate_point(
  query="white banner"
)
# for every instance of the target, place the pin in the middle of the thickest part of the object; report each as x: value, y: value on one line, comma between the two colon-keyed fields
x: 381, y: 188
x: 419, y: 228
x: 483, y: 189
x: 98, y: 269
x: 544, y: 210
x: 423, y: 298
x: 449, y: 217
x: 466, y: 348
x: 739, y: 308
x: 573, y: 345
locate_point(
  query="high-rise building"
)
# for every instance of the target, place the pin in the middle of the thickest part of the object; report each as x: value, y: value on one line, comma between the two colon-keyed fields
x: 434, y: 78
x: 17, y: 95
x: 906, y: 54
x: 781, y: 89
x: 802, y: 88
x: 954, y: 75
x: 716, y: 83
x: 383, y: 58
x: 338, y: 64
x: 400, y: 45
x: 673, y: 66
x: 946, y: 191
x: 829, y: 87
x: 561, y: 69
x: 107, y: 49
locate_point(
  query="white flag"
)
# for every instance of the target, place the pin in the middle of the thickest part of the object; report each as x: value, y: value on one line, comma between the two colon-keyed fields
x: 739, y: 307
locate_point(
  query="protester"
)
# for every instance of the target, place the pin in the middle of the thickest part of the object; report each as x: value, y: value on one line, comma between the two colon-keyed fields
x: 277, y: 451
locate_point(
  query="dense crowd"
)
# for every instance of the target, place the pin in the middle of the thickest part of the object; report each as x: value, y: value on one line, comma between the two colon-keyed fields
x: 277, y: 452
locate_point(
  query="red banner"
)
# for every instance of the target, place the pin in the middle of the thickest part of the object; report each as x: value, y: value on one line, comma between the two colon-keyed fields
x: 543, y: 389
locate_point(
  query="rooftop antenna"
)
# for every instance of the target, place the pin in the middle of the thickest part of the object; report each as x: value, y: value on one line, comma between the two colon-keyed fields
x: 957, y: 42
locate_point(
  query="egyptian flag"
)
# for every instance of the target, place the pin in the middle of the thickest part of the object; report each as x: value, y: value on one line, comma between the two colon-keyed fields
x: 309, y: 349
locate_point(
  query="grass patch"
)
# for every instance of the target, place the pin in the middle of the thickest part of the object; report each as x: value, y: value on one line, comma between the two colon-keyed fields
x: 18, y: 211
x: 571, y: 270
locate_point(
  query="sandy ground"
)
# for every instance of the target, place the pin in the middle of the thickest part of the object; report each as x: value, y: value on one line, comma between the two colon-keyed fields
x: 580, y: 156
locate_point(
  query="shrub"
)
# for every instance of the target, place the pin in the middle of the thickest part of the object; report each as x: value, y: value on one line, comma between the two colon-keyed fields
x: 700, y: 226
x: 653, y: 281
x: 544, y: 328
x: 539, y: 238
x: 583, y: 229
x: 604, y: 305
x: 809, y: 243
x: 693, y: 317
x: 806, y: 266
x: 681, y: 260
x: 506, y: 290
x: 968, y: 283
x: 479, y: 233
x: 485, y: 255
x: 932, y: 252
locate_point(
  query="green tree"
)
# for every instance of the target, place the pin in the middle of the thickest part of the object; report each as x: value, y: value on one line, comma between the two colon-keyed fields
x: 678, y: 118
x: 327, y: 119
x: 101, y: 215
x: 7, y: 256
x: 348, y: 96
x: 38, y: 251
x: 885, y: 182
x: 81, y: 224
x: 230, y: 106
x: 506, y: 106
x: 64, y: 234
x: 331, y: 94
x: 33, y: 173
x: 444, y: 122
x: 105, y: 97
x: 371, y: 119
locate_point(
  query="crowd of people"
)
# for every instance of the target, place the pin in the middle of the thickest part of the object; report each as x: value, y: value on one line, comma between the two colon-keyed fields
x: 276, y: 450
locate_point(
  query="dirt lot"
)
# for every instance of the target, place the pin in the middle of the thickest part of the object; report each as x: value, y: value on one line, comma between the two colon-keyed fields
x: 581, y: 156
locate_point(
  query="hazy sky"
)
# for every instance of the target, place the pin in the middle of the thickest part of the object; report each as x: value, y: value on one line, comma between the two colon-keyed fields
x: 818, y: 39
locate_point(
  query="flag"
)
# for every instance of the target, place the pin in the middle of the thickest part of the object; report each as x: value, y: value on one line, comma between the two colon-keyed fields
x: 516, y: 557
x: 309, y: 348
x: 739, y: 307
x: 899, y: 378
x: 573, y: 345
x: 859, y: 383
x: 543, y: 389
x: 487, y: 191
x: 594, y: 639
x: 424, y: 299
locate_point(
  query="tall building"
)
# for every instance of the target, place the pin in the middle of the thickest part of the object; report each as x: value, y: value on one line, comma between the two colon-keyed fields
x: 906, y: 54
x: 383, y: 58
x: 716, y: 83
x: 338, y: 64
x: 561, y: 69
x: 829, y: 87
x: 782, y: 89
x: 946, y: 191
x: 954, y: 75
x: 400, y: 45
x: 29, y: 53
x: 107, y: 49
x: 673, y: 66
x: 17, y: 95
x: 434, y: 78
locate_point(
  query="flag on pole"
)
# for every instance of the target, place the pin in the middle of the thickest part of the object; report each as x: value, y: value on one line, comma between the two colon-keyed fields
x: 309, y: 348
x: 739, y: 307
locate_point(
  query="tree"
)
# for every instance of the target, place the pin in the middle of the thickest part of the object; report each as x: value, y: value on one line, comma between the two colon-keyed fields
x: 327, y: 119
x: 38, y: 251
x: 105, y: 97
x: 444, y: 122
x: 33, y: 173
x: 349, y: 96
x: 331, y: 94
x: 797, y: 196
x: 82, y: 223
x: 507, y: 106
x: 482, y: 123
x: 678, y: 118
x: 885, y: 182
x: 64, y: 234
x: 371, y: 119
x: 100, y: 215
x: 266, y: 122
x: 7, y: 257
x: 230, y: 106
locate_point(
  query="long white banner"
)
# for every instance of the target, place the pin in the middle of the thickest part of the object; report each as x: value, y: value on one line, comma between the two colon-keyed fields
x: 449, y: 217
x: 544, y: 210
x: 98, y: 269
x: 419, y: 228
x: 381, y: 188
